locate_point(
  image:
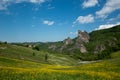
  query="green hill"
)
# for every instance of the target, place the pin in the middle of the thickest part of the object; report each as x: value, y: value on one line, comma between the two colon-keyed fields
x: 109, y: 38
x: 100, y: 44
x: 28, y: 54
x: 24, y: 63
x: 30, y: 68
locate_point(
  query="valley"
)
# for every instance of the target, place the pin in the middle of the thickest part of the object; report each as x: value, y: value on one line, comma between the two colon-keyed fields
x: 18, y: 62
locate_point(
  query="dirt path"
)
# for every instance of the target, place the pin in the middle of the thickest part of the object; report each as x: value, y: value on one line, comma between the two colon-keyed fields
x: 86, y: 62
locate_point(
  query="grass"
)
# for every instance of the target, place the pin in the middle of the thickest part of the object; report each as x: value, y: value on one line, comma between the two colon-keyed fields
x: 14, y: 68
x: 26, y: 54
x: 95, y: 71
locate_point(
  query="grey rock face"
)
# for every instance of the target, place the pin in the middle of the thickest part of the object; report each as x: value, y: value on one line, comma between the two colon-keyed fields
x: 99, y: 48
x: 78, y: 43
x: 53, y: 47
x: 83, y: 49
x: 83, y: 36
x: 68, y: 41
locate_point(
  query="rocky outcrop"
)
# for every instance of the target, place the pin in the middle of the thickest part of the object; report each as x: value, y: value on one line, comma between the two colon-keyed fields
x: 83, y: 49
x: 102, y: 46
x: 83, y: 37
x: 99, y: 48
x: 68, y: 41
x: 71, y: 45
x: 80, y: 47
x: 52, y: 47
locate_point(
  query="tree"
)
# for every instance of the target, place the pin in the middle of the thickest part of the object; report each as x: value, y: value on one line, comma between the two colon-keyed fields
x: 5, y: 42
x: 46, y: 57
x: 36, y: 48
x: 33, y: 54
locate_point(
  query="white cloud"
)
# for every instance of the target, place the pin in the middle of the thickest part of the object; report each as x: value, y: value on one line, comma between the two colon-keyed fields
x: 48, y: 22
x: 73, y: 33
x: 84, y: 19
x: 89, y: 3
x: 5, y: 3
x: 36, y: 1
x: 109, y: 7
x: 107, y: 26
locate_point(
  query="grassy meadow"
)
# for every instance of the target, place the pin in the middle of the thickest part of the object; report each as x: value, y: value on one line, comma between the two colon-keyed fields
x: 58, y: 67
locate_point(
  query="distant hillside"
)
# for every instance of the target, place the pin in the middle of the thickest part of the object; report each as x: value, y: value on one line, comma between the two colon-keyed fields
x: 107, y: 38
x: 95, y: 45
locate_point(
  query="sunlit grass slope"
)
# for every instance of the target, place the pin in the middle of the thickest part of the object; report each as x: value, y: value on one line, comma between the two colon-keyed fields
x: 15, y: 68
x: 26, y: 54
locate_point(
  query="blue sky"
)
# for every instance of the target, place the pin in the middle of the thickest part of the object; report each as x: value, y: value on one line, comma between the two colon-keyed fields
x: 54, y: 20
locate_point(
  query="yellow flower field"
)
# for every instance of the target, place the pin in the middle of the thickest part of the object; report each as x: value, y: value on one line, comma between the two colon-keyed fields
x: 96, y: 71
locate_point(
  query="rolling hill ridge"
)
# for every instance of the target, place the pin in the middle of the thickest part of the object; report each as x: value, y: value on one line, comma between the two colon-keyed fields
x: 31, y: 61
x: 86, y: 46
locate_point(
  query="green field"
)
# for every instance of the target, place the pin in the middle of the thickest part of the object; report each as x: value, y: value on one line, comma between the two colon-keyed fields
x: 18, y: 63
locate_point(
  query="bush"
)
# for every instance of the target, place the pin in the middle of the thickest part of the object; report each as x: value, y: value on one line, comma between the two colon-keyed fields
x: 46, y: 57
x: 5, y: 42
x: 36, y: 48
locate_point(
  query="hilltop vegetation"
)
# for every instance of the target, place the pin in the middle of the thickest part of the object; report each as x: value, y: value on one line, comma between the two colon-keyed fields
x: 109, y: 38
x: 101, y: 44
